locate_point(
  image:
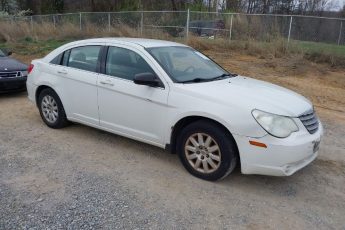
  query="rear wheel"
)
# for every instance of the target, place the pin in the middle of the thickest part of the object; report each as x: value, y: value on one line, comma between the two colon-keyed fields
x: 207, y: 150
x: 51, y: 109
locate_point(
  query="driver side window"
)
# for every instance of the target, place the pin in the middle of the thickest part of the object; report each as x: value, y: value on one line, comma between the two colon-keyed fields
x: 125, y: 64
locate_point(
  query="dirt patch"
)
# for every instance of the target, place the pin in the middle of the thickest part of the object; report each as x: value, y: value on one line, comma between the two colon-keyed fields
x: 38, y: 185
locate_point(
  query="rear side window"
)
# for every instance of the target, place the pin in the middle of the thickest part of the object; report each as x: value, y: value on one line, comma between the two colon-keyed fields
x: 85, y: 58
x: 124, y: 63
x: 57, y: 60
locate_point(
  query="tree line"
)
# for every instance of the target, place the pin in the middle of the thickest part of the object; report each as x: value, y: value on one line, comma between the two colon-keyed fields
x: 304, y: 7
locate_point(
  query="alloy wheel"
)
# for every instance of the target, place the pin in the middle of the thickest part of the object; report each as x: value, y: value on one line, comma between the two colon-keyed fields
x: 203, y: 153
x: 49, y: 109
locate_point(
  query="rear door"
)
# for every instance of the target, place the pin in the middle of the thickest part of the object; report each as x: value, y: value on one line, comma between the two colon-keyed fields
x: 78, y: 81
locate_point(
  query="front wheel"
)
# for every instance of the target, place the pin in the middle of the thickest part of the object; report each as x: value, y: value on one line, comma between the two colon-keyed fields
x: 207, y: 150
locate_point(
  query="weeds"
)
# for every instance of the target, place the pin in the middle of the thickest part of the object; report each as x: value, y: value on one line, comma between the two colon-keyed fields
x: 40, y: 38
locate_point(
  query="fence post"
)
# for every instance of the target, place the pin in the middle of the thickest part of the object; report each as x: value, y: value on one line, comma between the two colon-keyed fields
x: 141, y: 23
x: 230, y: 33
x: 290, y: 29
x: 80, y: 20
x: 54, y: 21
x: 341, y: 28
x: 109, y: 22
x: 187, y: 24
x: 31, y: 23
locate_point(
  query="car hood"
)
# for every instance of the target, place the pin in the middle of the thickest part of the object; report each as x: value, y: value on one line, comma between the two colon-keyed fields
x: 10, y: 64
x: 247, y: 93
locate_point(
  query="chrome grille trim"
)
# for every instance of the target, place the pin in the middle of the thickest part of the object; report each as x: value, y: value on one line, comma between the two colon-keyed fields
x: 10, y: 74
x: 307, y: 116
x: 310, y: 121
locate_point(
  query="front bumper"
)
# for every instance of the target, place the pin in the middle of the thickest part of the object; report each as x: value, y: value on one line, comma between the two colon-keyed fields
x: 282, y: 157
x: 12, y: 84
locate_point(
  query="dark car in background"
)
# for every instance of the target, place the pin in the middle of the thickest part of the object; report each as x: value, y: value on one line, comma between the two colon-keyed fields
x: 13, y: 73
x: 207, y: 28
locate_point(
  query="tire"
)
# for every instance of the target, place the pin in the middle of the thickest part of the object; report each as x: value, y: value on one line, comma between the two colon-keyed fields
x: 54, y: 107
x: 224, y: 159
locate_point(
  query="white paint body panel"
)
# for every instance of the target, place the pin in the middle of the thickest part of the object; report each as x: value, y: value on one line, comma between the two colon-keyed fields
x: 148, y: 114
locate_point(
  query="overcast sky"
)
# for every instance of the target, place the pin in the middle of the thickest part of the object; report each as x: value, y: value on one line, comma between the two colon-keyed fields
x: 339, y: 4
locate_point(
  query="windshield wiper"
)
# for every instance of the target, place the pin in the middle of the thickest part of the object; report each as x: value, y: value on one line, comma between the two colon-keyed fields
x: 224, y: 75
x: 197, y: 79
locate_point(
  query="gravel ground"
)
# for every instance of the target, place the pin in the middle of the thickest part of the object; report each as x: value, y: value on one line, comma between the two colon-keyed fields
x: 83, y: 178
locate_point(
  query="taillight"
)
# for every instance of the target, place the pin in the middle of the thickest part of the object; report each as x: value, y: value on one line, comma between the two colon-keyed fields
x: 30, y: 68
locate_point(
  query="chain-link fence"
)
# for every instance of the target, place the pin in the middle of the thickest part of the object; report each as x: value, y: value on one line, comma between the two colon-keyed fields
x: 211, y: 25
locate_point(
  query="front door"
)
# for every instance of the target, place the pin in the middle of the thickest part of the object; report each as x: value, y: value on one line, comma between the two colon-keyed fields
x: 129, y: 109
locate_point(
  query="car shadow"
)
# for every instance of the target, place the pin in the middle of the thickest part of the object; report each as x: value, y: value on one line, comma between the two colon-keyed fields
x: 307, y: 180
x: 13, y: 94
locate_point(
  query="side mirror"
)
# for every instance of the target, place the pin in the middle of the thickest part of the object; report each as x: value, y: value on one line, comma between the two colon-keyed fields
x: 148, y: 79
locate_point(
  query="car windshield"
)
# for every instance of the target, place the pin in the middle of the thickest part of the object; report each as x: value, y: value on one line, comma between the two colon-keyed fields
x: 184, y: 64
x: 2, y: 54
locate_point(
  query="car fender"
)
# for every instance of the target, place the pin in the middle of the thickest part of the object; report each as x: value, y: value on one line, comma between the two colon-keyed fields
x: 202, y: 114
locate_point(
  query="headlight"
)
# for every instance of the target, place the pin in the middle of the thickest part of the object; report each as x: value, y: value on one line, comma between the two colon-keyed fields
x: 23, y: 73
x: 276, y: 125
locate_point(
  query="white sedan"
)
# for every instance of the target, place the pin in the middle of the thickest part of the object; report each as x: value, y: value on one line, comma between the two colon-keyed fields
x: 169, y: 95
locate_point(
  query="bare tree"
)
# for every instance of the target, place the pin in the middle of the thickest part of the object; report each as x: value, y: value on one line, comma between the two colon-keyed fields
x: 342, y: 12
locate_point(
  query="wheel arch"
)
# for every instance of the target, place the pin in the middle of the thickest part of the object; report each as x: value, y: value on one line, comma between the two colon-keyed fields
x: 41, y: 88
x: 183, y: 122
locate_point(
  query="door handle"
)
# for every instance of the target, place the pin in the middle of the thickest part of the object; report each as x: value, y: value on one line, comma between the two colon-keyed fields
x: 106, y: 83
x: 62, y: 71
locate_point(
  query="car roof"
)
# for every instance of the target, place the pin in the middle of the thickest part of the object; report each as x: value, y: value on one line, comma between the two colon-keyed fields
x: 137, y: 42
x: 144, y: 42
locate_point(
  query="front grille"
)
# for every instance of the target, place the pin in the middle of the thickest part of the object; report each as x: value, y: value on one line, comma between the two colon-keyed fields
x: 9, y: 74
x: 310, y: 121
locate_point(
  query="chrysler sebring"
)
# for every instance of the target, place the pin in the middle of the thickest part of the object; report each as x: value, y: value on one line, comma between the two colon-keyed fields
x: 172, y: 96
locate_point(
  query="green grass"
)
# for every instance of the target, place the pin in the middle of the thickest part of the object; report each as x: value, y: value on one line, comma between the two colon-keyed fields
x: 313, y: 51
x: 318, y: 47
x: 28, y: 46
